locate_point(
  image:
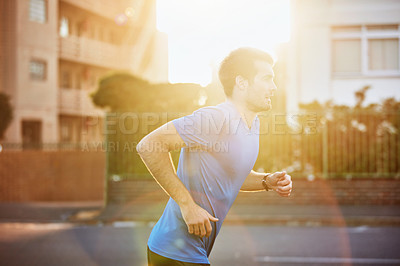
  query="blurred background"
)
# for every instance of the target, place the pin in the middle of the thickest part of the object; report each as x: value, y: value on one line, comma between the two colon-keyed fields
x: 82, y: 81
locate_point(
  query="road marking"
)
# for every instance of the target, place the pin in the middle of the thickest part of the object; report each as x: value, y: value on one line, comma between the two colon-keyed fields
x: 358, y: 229
x: 126, y: 224
x: 326, y: 260
x: 37, y: 226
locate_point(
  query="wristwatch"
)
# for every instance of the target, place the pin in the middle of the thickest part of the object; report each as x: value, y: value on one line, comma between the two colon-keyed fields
x: 264, y: 183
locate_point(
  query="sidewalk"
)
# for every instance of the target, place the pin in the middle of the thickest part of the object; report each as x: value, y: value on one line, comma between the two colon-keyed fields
x: 45, y: 212
x: 95, y: 213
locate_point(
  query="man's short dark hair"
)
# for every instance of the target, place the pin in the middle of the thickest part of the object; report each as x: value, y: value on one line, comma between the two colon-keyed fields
x: 240, y: 62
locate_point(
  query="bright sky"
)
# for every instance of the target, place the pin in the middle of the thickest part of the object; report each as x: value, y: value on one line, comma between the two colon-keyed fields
x: 202, y: 32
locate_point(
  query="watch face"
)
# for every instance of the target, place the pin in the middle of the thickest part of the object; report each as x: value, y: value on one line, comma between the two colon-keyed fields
x: 264, y: 183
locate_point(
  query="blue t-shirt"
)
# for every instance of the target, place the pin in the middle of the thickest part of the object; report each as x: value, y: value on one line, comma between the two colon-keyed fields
x: 220, y: 152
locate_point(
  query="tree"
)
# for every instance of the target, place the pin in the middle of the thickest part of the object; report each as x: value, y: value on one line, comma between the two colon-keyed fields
x: 6, y: 113
x: 122, y: 91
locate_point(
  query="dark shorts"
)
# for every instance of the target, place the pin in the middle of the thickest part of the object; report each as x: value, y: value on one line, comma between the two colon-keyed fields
x: 154, y: 259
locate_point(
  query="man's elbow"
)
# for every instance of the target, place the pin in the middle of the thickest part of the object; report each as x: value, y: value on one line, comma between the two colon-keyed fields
x: 151, y: 144
x: 141, y: 146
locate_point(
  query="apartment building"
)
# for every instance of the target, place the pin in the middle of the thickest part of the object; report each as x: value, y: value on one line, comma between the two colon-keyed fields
x: 339, y: 46
x: 53, y: 53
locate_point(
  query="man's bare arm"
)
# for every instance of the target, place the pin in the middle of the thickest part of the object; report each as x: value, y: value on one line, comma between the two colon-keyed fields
x: 154, y: 149
x: 279, y: 182
x: 253, y: 182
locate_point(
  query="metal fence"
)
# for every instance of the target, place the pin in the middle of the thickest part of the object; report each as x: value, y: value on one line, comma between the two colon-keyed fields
x: 347, y: 144
x: 341, y: 144
x: 59, y: 146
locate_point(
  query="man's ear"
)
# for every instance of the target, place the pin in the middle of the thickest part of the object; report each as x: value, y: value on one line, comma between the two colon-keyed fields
x: 241, y: 82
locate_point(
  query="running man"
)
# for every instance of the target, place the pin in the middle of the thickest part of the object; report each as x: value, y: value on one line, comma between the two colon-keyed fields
x: 219, y: 146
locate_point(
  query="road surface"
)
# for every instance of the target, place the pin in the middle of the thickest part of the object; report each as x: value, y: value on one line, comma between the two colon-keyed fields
x: 125, y: 244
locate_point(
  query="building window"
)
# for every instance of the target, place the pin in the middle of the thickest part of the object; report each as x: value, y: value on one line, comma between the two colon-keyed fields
x: 66, y: 79
x: 78, y: 81
x: 368, y: 50
x: 70, y: 129
x: 37, y: 69
x: 64, y: 27
x: 66, y: 132
x: 383, y: 54
x: 31, y: 134
x: 38, y: 10
x: 346, y: 56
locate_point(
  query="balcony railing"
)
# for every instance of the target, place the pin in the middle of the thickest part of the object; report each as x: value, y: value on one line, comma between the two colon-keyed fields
x: 106, y: 8
x: 95, y: 52
x: 77, y: 102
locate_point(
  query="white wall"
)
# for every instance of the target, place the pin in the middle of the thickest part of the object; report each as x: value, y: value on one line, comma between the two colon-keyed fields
x: 381, y: 88
x: 309, y: 63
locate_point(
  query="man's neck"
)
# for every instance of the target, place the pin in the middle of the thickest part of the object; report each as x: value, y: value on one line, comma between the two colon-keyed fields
x: 246, y: 114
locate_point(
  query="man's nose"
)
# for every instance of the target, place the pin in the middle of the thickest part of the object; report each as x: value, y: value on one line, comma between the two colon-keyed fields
x: 273, y: 88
